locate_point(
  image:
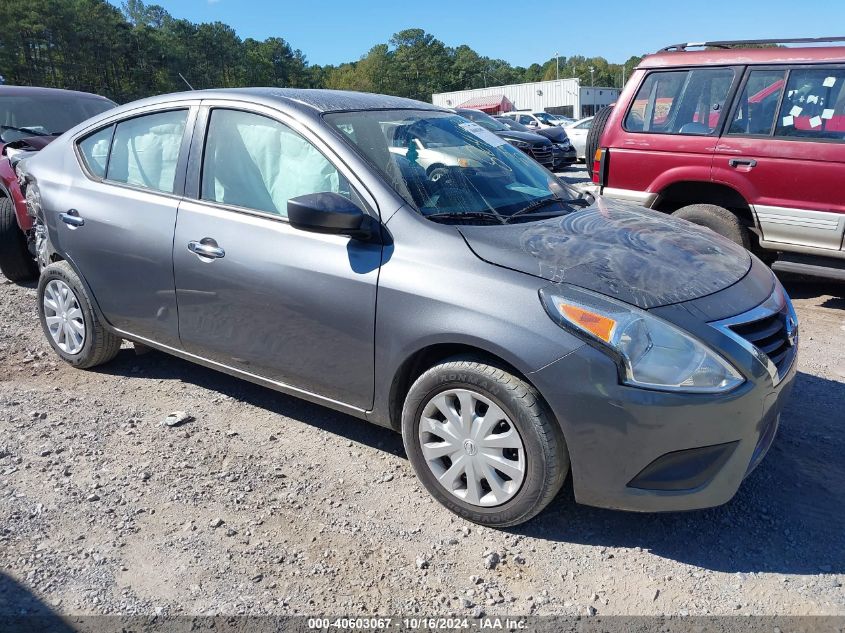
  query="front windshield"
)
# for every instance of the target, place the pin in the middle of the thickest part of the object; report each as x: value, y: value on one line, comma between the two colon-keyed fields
x: 452, y: 169
x: 545, y: 118
x: 22, y: 116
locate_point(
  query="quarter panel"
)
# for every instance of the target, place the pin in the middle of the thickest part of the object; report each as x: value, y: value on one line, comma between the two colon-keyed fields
x: 434, y: 290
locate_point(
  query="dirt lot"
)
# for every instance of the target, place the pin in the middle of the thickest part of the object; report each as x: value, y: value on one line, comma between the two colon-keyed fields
x: 266, y: 504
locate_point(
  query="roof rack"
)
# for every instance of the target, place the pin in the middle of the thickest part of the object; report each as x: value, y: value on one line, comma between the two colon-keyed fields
x: 741, y: 43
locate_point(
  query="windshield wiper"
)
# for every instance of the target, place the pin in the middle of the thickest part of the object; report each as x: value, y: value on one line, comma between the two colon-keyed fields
x: 539, y: 204
x: 25, y: 130
x: 468, y: 215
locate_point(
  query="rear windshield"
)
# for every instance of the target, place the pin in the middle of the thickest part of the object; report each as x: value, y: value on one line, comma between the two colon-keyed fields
x: 45, y: 115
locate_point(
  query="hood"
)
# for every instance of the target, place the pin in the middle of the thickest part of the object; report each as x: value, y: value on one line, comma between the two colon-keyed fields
x: 556, y: 134
x: 30, y: 143
x: 630, y: 253
x: 528, y: 137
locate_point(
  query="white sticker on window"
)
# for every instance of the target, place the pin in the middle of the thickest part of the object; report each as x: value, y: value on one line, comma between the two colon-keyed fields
x: 827, y: 114
x: 829, y: 82
x: 787, y: 121
x: 812, y: 99
x: 816, y: 121
x: 485, y: 135
x: 795, y: 111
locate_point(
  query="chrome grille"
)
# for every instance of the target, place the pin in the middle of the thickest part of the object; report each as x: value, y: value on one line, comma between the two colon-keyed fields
x: 542, y: 154
x: 769, y: 331
x: 770, y: 336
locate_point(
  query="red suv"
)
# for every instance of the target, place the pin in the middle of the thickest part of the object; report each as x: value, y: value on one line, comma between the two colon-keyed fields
x: 749, y: 142
x: 29, y: 119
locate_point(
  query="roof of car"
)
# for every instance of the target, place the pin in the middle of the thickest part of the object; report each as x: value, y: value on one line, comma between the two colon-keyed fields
x: 312, y: 99
x: 37, y: 90
x: 742, y: 56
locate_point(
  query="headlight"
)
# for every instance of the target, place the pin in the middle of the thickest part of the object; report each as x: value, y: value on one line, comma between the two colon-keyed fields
x: 651, y: 353
x: 519, y: 144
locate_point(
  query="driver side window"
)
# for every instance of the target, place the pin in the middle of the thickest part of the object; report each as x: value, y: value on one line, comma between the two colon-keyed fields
x: 255, y: 162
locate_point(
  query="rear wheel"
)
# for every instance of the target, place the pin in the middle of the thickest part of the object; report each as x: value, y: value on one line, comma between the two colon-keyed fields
x: 594, y: 136
x: 69, y: 321
x: 16, y: 262
x: 719, y: 220
x: 483, y: 442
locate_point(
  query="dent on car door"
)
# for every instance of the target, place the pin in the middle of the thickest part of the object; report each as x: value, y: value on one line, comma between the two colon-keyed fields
x: 290, y: 306
x: 784, y: 151
x: 116, y: 221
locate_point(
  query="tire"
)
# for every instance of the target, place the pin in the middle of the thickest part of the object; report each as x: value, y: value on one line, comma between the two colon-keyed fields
x: 544, y: 459
x: 98, y: 345
x: 719, y: 220
x: 16, y: 262
x: 594, y: 136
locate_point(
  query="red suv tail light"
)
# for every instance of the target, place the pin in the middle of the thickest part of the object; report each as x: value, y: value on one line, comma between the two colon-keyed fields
x: 600, y: 166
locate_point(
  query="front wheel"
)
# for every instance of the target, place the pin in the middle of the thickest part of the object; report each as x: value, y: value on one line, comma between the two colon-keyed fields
x: 483, y: 442
x: 717, y: 219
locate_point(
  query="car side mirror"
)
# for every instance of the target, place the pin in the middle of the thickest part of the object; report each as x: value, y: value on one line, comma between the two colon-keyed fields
x: 331, y: 213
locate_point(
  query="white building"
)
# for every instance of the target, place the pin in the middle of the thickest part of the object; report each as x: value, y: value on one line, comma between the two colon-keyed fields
x: 558, y: 96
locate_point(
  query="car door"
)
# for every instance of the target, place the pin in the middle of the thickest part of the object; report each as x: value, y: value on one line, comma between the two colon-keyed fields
x: 116, y: 221
x: 784, y: 151
x: 671, y: 130
x: 255, y: 294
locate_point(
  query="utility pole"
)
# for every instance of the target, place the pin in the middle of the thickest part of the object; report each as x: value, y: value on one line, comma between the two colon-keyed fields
x: 593, y: 88
x: 557, y: 65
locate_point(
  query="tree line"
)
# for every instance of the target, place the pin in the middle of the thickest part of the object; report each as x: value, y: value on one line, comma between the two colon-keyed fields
x: 140, y: 50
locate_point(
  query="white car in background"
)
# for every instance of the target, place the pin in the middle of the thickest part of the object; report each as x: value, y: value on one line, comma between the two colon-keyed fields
x: 577, y: 133
x: 536, y: 120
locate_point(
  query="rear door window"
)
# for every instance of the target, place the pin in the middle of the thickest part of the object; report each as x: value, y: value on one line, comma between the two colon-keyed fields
x: 145, y: 150
x: 813, y: 106
x: 95, y: 151
x: 680, y: 102
x: 755, y: 110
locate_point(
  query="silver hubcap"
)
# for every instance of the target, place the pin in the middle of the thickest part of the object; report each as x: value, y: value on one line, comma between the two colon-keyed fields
x: 64, y: 317
x: 471, y: 447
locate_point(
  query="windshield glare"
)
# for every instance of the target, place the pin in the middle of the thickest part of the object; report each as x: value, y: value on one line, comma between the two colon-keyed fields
x: 443, y: 164
x: 45, y: 115
x: 484, y: 120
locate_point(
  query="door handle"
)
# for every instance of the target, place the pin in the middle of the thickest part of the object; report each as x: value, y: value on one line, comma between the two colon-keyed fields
x: 207, y: 248
x: 71, y: 218
x: 742, y: 162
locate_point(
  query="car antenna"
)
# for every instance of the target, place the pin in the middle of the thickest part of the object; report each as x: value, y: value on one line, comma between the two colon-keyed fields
x: 187, y: 83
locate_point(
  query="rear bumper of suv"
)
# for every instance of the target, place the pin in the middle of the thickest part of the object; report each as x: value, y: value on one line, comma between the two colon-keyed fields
x: 641, y: 450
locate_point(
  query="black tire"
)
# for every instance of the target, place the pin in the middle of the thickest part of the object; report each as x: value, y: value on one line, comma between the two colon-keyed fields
x: 16, y: 262
x: 99, y: 345
x: 546, y: 456
x: 717, y: 219
x: 594, y: 136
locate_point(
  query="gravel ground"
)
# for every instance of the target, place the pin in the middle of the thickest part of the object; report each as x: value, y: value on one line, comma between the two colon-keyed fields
x: 262, y: 503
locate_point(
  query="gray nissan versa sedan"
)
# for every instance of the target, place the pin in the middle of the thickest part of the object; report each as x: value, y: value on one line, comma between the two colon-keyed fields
x: 511, y: 328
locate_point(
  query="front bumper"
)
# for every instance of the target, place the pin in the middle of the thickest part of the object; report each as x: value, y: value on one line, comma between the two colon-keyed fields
x: 649, y: 451
x: 564, y: 156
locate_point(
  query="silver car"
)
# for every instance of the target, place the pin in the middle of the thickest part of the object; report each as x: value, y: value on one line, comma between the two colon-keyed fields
x: 513, y: 330
x: 577, y: 132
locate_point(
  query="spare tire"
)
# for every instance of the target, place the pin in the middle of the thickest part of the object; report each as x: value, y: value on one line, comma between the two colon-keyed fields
x: 594, y: 136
